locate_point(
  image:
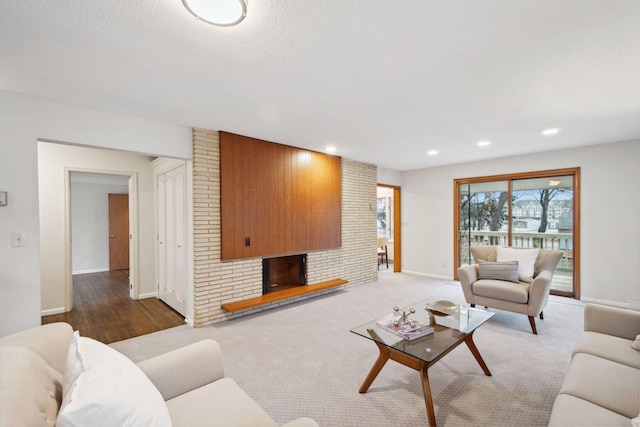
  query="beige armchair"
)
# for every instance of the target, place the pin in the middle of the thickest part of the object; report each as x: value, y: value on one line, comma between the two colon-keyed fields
x: 495, y: 290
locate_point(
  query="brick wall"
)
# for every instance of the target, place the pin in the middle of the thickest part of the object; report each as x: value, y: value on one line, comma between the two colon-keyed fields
x: 217, y: 282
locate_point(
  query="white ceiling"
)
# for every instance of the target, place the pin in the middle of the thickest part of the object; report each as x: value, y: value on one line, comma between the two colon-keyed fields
x: 384, y: 81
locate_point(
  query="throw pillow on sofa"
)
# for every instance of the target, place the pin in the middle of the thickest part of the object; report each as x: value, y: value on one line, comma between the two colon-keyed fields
x: 507, y: 270
x: 105, y: 388
x: 526, y: 260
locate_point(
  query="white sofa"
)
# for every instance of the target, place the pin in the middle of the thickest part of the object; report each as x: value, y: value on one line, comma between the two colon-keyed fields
x: 602, y: 385
x: 189, y: 381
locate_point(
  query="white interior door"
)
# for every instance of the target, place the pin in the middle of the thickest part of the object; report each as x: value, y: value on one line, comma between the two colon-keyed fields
x: 172, y: 239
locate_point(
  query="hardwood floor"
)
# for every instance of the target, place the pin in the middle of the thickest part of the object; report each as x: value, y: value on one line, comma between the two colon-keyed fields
x: 103, y: 310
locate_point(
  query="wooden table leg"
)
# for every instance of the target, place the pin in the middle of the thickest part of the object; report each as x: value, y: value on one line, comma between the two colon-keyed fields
x: 428, y: 399
x: 469, y: 341
x: 375, y: 369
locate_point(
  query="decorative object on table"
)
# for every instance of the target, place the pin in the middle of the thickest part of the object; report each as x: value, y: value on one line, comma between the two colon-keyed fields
x: 405, y: 330
x: 401, y: 325
x: 404, y: 317
x: 442, y: 308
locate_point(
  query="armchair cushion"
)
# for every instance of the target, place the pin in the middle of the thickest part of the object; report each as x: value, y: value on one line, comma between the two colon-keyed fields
x: 526, y: 260
x: 503, y: 291
x: 507, y: 270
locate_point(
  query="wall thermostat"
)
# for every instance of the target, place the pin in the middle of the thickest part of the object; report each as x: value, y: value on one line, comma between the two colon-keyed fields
x: 3, y: 198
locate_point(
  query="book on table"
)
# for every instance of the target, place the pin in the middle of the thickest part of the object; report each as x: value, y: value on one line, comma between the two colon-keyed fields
x: 405, y: 330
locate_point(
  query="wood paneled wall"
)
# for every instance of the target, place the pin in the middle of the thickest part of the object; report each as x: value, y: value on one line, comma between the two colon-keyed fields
x: 282, y: 199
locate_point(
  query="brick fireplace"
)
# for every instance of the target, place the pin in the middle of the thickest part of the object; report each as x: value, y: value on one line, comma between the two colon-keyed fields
x: 218, y: 282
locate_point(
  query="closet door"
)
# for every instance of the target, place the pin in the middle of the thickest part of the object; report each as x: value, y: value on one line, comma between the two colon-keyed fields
x: 172, y: 239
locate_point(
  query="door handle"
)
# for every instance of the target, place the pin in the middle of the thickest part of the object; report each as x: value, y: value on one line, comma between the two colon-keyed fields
x: 111, y: 236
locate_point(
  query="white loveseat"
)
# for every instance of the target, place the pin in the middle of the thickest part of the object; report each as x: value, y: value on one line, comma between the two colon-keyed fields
x: 602, y: 385
x: 188, y: 382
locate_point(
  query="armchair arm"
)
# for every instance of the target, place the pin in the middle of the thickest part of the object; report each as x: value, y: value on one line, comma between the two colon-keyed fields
x: 539, y: 293
x: 184, y: 369
x: 614, y: 321
x: 468, y: 274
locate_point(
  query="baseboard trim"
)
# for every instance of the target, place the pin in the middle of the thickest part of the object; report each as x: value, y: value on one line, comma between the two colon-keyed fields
x: 148, y: 295
x: 433, y: 276
x: 605, y: 302
x: 92, y: 270
x: 51, y: 311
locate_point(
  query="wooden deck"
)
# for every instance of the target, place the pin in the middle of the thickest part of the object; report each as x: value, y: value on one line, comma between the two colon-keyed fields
x: 282, y: 295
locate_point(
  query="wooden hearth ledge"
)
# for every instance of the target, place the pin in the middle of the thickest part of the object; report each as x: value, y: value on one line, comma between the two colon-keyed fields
x: 232, y: 307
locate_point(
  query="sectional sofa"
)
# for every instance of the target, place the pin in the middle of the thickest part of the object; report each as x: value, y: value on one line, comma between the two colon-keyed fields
x: 51, y: 376
x: 602, y: 385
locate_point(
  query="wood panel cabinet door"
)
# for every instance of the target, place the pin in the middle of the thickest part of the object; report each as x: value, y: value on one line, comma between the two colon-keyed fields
x: 277, y: 199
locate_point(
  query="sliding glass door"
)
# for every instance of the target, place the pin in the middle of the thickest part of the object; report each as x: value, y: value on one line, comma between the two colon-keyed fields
x: 528, y: 210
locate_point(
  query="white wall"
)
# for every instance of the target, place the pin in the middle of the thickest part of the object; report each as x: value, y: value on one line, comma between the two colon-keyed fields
x: 610, y: 215
x: 23, y: 120
x: 389, y: 177
x: 90, y: 220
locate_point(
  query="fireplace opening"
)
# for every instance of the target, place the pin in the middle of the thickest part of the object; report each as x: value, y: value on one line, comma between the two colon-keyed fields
x: 283, y: 272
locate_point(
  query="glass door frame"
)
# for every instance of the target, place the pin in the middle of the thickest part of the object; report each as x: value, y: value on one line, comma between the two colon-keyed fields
x: 509, y: 178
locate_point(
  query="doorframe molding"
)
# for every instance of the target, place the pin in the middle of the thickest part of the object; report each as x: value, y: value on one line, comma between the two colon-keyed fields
x: 569, y: 171
x: 134, y: 262
x: 397, y: 227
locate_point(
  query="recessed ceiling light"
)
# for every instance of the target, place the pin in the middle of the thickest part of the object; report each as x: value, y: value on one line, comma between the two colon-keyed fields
x: 330, y: 149
x: 432, y: 152
x: 223, y: 13
x: 483, y: 143
x: 551, y: 131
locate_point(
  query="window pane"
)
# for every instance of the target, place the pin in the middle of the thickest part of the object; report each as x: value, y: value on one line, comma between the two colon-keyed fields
x: 542, y: 217
x: 483, y: 216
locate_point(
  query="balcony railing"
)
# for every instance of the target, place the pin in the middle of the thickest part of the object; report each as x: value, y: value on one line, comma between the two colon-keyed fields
x: 562, y: 279
x: 557, y: 241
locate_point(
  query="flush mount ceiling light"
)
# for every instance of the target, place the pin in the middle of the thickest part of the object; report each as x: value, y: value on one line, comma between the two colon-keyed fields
x: 330, y: 149
x: 432, y: 152
x: 483, y: 143
x: 549, y: 132
x: 223, y: 13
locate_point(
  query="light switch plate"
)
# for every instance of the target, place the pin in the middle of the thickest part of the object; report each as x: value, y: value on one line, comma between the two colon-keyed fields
x: 3, y: 198
x: 18, y: 239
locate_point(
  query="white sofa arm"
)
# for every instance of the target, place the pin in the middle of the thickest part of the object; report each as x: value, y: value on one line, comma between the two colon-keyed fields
x: 614, y: 321
x: 302, y: 422
x: 184, y: 369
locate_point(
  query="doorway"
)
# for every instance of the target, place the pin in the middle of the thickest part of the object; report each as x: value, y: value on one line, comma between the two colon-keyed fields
x: 102, y: 227
x: 388, y: 223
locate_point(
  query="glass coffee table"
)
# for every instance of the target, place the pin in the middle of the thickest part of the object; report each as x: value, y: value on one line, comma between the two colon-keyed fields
x: 454, y: 324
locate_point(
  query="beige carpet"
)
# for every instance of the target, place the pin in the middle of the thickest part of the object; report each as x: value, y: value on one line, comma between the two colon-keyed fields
x: 301, y: 360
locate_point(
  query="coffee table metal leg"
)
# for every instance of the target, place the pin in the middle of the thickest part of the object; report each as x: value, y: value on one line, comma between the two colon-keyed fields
x: 428, y: 399
x: 375, y: 369
x: 474, y: 350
